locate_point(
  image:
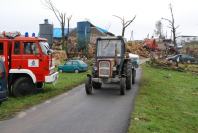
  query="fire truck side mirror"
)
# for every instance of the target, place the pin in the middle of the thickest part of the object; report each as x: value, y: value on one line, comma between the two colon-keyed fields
x: 49, y: 51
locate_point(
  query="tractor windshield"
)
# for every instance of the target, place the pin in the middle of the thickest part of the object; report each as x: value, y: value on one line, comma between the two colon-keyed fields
x: 109, y: 48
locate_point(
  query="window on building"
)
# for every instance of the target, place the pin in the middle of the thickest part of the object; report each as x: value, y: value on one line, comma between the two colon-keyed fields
x: 1, y: 48
x: 31, y: 48
x: 17, y: 48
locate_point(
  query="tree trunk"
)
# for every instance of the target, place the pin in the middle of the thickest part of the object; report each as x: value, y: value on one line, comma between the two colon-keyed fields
x: 64, y: 44
x: 123, y: 30
x: 174, y: 38
x: 68, y: 29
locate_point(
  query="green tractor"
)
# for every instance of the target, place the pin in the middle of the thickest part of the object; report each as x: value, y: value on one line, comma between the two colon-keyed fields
x: 111, y: 65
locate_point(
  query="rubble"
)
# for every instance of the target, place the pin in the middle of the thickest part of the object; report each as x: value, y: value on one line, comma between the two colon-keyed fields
x: 193, y: 68
x: 137, y: 48
x: 190, y: 49
x: 59, y: 56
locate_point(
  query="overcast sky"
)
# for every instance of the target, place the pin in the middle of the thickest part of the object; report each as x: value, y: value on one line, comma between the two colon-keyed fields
x: 26, y: 15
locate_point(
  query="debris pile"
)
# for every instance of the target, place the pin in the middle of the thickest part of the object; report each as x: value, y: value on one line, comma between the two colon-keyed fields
x: 57, y: 45
x: 58, y: 56
x: 191, y: 49
x: 193, y: 68
x: 137, y: 48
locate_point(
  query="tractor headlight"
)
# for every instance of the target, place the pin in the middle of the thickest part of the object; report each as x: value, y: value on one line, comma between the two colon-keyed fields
x: 114, y: 68
x: 95, y: 68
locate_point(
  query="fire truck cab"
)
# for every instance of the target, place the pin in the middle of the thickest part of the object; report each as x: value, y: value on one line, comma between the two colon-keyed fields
x: 28, y: 62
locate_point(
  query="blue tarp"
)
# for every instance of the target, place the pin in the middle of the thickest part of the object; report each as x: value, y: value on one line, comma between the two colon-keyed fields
x: 57, y: 33
x: 101, y: 30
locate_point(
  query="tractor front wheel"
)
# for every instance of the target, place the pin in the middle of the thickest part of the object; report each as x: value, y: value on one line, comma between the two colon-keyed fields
x: 88, y: 86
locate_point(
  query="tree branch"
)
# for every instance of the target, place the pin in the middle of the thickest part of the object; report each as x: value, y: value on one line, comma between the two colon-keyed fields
x: 129, y: 22
x: 167, y: 20
x: 125, y: 24
x: 50, y: 6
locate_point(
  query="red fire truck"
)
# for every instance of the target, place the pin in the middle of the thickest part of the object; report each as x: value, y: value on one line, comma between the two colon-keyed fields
x: 28, y: 62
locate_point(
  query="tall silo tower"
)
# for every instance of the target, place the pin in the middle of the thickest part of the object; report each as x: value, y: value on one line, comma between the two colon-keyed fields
x: 46, y: 31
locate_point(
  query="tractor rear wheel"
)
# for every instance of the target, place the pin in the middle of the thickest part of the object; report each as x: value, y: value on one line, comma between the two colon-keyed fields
x: 122, y: 86
x: 88, y: 86
x: 23, y: 86
x: 133, y: 76
x: 128, y: 73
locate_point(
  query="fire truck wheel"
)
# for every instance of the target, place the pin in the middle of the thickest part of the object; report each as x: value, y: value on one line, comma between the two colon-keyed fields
x: 96, y: 85
x: 122, y: 86
x: 88, y: 86
x: 129, y: 77
x: 23, y: 86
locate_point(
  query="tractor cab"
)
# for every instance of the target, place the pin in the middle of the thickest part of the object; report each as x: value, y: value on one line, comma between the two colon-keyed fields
x: 109, y: 47
x: 112, y: 65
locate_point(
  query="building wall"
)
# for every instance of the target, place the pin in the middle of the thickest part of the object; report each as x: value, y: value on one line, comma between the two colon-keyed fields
x: 181, y: 40
x: 91, y: 43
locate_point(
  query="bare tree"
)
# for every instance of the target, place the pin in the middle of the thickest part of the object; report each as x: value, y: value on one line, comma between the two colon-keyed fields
x: 172, y: 25
x: 68, y: 26
x: 61, y: 16
x: 125, y: 23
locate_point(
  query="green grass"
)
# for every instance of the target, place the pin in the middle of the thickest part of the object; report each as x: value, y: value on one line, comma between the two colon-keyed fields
x: 65, y: 82
x: 167, y: 103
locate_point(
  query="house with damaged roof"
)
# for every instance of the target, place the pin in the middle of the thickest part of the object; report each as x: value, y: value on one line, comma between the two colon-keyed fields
x: 83, y: 37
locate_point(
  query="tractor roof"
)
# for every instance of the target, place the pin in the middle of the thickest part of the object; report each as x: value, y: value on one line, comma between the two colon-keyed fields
x: 113, y: 38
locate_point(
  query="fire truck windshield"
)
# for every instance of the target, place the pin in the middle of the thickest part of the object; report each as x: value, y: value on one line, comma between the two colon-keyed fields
x: 44, y: 47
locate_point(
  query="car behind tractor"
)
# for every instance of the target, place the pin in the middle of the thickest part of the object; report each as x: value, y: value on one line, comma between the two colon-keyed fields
x: 111, y: 65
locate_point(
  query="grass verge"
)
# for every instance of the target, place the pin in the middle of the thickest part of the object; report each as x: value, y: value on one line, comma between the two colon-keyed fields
x: 65, y: 82
x: 167, y: 102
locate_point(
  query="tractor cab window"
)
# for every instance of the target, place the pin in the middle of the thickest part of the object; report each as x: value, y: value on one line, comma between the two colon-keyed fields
x: 30, y: 48
x: 1, y: 48
x: 109, y: 48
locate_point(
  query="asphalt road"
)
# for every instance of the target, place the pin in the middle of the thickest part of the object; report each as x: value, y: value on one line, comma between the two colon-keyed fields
x: 75, y: 112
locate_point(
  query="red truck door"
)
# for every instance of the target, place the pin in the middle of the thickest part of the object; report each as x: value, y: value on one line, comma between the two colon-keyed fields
x: 26, y: 58
x: 32, y: 59
x: 16, y: 57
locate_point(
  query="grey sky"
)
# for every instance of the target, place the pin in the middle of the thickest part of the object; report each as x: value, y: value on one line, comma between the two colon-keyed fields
x: 26, y: 15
